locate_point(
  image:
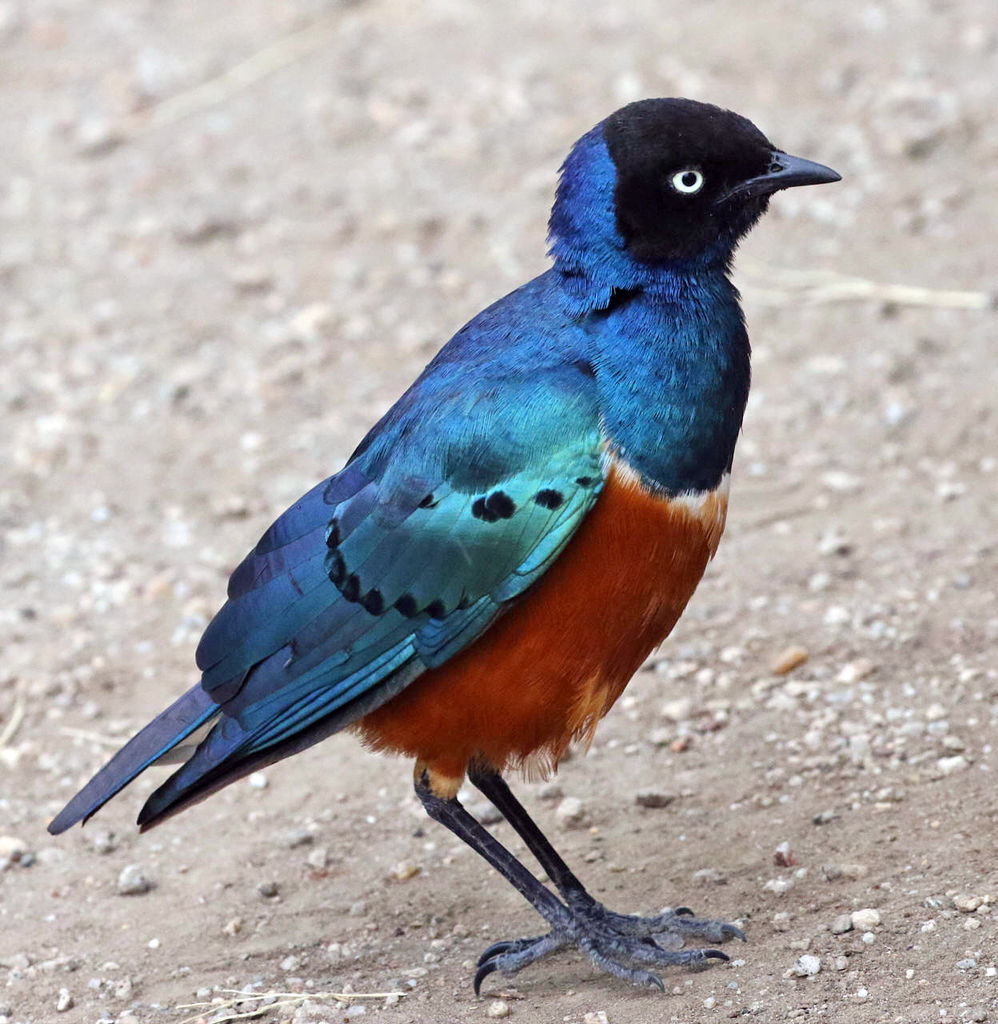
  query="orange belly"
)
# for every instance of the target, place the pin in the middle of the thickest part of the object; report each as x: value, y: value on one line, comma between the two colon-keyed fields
x: 547, y: 671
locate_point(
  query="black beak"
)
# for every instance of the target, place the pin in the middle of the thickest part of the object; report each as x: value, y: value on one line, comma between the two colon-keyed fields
x: 785, y: 171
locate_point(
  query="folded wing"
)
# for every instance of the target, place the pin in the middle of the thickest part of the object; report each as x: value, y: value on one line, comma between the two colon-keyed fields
x: 450, y: 511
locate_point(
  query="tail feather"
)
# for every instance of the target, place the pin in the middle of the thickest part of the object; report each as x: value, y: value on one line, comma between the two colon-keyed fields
x: 156, y: 740
x: 207, y: 772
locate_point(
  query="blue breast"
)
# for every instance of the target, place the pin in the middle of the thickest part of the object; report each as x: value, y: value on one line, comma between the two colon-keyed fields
x: 673, y: 377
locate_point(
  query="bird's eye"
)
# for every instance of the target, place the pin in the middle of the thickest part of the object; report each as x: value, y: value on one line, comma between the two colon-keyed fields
x: 687, y: 182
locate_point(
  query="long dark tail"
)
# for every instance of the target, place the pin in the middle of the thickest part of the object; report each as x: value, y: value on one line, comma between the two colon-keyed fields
x: 157, y: 739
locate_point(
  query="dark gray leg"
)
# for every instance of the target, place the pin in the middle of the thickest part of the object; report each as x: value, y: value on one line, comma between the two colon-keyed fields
x: 604, y: 936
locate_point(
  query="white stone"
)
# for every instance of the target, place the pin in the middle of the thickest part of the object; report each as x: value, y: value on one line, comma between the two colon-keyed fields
x: 864, y: 920
x: 951, y: 765
x: 807, y: 965
x: 571, y: 813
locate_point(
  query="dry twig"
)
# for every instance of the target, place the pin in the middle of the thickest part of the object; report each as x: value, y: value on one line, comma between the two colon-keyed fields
x: 233, y: 80
x: 782, y: 286
x: 277, y: 1001
x: 16, y: 718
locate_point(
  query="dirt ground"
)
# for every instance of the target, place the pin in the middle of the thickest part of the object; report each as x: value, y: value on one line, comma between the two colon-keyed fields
x: 229, y: 237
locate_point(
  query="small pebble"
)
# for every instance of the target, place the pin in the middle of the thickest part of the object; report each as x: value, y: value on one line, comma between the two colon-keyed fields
x: 102, y: 840
x: 11, y: 848
x: 571, y: 813
x: 95, y: 136
x: 498, y: 1008
x: 595, y: 1017
x: 405, y: 870
x: 64, y: 1002
x: 841, y: 963
x: 268, y: 890
x: 833, y: 872
x: 677, y: 710
x: 788, y: 659
x: 783, y: 856
x: 258, y: 780
x: 233, y: 927
x: 318, y: 858
x: 653, y: 798
x: 779, y: 885
x: 807, y: 965
x: 854, y: 671
x: 966, y: 903
x: 842, y: 924
x: 291, y: 963
x: 709, y: 876
x: 133, y: 881
x: 292, y: 838
x: 864, y: 920
x: 709, y: 1003
x: 952, y: 765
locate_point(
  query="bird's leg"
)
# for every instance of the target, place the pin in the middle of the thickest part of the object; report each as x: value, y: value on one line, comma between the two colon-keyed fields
x: 494, y: 788
x: 452, y: 814
x: 516, y: 955
x: 607, y: 938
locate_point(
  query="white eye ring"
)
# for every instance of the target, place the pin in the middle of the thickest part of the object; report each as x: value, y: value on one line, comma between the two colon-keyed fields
x: 687, y: 182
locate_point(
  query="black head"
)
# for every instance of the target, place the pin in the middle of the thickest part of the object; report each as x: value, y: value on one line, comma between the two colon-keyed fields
x: 692, y: 177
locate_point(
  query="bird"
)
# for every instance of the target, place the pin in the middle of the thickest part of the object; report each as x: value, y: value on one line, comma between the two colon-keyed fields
x: 477, y: 585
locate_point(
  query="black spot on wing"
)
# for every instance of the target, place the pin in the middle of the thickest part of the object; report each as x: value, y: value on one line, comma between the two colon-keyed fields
x: 337, y: 569
x: 587, y: 481
x: 333, y: 533
x: 406, y: 605
x: 495, y: 506
x: 373, y: 602
x: 427, y: 502
x: 549, y: 498
x: 351, y: 589
x: 436, y: 609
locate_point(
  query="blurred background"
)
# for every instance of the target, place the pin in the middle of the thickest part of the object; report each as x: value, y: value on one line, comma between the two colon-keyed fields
x: 230, y: 235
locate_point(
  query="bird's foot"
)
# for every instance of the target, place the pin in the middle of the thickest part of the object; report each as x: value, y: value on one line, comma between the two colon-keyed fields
x: 620, y: 944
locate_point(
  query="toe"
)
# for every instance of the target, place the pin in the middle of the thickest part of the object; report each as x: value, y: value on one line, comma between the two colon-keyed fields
x: 508, y: 946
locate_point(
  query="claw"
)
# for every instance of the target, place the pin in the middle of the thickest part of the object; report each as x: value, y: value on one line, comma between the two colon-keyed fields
x: 683, y: 912
x: 715, y: 954
x: 484, y: 970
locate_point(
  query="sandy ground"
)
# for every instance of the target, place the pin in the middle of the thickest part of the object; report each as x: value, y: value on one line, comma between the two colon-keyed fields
x: 231, y: 234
